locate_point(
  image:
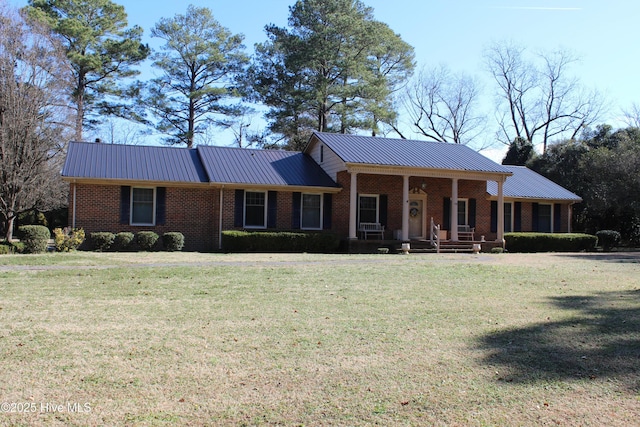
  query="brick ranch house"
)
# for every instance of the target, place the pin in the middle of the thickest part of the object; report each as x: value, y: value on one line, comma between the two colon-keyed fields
x: 337, y: 184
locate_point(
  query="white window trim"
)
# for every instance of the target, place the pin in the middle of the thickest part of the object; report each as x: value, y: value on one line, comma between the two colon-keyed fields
x: 302, y: 227
x: 377, y: 197
x: 466, y: 210
x: 551, y: 213
x: 153, y: 223
x: 266, y: 208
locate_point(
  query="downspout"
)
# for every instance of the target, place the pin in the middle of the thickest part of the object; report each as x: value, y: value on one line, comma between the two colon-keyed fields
x: 220, y: 219
x: 73, y: 217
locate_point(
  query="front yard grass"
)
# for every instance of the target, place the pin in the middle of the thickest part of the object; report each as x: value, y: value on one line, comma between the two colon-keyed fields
x: 300, y: 339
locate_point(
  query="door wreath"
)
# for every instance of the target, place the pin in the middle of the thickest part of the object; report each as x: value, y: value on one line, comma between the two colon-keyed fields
x: 413, y: 212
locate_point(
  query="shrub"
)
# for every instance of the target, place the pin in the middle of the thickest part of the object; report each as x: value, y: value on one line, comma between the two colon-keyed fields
x: 549, y: 242
x: 244, y: 241
x: 122, y: 241
x: 101, y: 240
x: 35, y: 238
x: 6, y: 248
x: 173, y: 241
x: 608, y: 239
x: 146, y: 240
x: 68, y: 239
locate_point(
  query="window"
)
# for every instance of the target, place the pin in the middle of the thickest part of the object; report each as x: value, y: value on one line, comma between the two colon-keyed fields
x: 255, y: 212
x: 508, y: 217
x: 544, y: 218
x: 368, y: 211
x: 463, y: 212
x: 311, y: 211
x: 143, y: 206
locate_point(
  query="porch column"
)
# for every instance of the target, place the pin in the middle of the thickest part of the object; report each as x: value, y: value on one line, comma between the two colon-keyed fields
x: 353, y: 206
x: 454, y: 209
x: 569, y: 216
x: 405, y: 208
x: 500, y: 237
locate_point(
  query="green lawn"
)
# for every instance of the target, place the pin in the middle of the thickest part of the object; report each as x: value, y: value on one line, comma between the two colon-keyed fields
x: 213, y: 339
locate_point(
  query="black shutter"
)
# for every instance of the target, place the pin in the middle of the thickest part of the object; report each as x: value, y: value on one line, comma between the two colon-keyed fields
x: 446, y: 213
x: 272, y: 210
x: 238, y: 218
x: 161, y: 205
x: 296, y: 201
x: 472, y: 212
x: 557, y: 218
x: 534, y: 217
x: 125, y: 204
x: 326, y: 211
x: 517, y: 216
x: 494, y: 216
x: 382, y: 215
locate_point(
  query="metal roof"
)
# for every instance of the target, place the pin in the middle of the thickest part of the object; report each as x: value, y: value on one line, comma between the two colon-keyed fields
x: 133, y: 162
x: 408, y: 153
x: 527, y: 184
x: 262, y: 167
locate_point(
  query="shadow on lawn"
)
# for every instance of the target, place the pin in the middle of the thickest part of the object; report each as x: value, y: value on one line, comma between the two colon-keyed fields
x: 601, y: 341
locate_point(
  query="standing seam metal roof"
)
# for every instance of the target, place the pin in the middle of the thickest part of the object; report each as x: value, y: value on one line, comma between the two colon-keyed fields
x: 527, y: 184
x: 408, y: 153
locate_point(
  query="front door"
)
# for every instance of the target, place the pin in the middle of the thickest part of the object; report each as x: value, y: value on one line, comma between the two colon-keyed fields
x: 417, y: 205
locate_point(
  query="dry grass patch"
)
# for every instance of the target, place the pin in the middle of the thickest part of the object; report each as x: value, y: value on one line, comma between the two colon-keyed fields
x: 201, y: 339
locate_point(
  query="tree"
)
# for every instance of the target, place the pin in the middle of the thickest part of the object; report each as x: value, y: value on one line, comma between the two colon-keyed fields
x: 442, y: 106
x: 632, y: 115
x: 539, y: 100
x: 332, y: 70
x: 101, y: 51
x: 520, y: 152
x: 199, y: 62
x: 30, y: 117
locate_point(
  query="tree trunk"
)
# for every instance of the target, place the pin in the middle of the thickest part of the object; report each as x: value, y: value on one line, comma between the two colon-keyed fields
x: 9, y: 232
x: 80, y: 108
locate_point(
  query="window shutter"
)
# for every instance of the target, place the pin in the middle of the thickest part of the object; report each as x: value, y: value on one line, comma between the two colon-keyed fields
x: 472, y: 212
x: 534, y: 217
x: 557, y: 218
x: 382, y: 215
x: 238, y: 217
x: 295, y: 210
x: 517, y: 216
x: 327, y: 211
x: 272, y: 209
x: 125, y: 204
x: 161, y: 205
x: 494, y: 216
x: 446, y: 213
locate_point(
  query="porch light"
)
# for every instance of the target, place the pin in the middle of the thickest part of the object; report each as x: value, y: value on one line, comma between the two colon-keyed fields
x: 423, y: 185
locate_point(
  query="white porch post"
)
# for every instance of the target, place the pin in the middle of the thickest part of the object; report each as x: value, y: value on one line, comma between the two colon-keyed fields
x: 405, y: 208
x: 500, y: 237
x: 353, y: 206
x: 569, y: 216
x: 454, y: 209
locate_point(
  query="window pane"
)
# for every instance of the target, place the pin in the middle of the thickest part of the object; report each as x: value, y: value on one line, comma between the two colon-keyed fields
x: 310, y: 211
x: 254, y: 209
x: 142, y: 206
x: 507, y: 217
x: 368, y: 209
x: 462, y: 212
x: 544, y: 218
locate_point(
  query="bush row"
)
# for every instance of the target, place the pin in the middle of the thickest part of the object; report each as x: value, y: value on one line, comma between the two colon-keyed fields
x: 245, y: 241
x: 549, y: 242
x: 143, y: 240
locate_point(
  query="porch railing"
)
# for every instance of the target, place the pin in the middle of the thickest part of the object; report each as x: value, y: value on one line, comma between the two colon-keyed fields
x: 435, y: 235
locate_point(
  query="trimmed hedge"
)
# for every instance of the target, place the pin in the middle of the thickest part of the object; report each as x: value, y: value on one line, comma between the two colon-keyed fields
x: 549, y: 242
x: 68, y: 239
x: 122, y: 241
x: 35, y: 238
x: 101, y: 240
x: 173, y: 241
x: 608, y: 239
x: 258, y: 241
x: 146, y: 240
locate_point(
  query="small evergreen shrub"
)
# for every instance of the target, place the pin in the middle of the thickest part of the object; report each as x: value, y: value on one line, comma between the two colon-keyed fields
x: 549, y: 242
x: 146, y: 240
x: 608, y: 239
x: 68, y: 239
x: 5, y: 249
x: 173, y: 241
x: 101, y: 240
x: 245, y: 241
x: 122, y: 241
x: 34, y: 237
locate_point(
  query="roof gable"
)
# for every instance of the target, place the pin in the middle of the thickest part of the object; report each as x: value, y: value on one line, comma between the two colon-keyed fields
x: 262, y: 167
x: 407, y: 153
x: 527, y: 184
x: 133, y: 163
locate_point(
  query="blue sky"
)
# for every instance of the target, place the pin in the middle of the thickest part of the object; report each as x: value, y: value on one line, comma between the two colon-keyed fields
x: 605, y: 34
